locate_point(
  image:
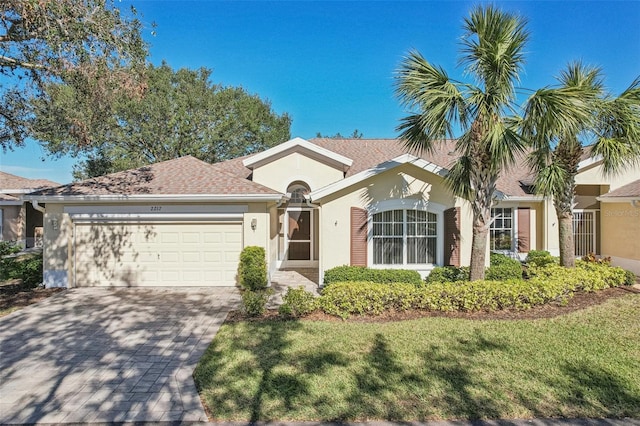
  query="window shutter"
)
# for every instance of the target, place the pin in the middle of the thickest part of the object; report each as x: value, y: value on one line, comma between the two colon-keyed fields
x: 358, y: 237
x: 452, y: 236
x: 524, y: 231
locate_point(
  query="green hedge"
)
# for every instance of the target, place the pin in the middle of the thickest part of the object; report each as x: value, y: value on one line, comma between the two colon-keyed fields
x: 551, y: 283
x: 252, y: 270
x: 297, y: 302
x: 380, y: 276
x: 502, y: 268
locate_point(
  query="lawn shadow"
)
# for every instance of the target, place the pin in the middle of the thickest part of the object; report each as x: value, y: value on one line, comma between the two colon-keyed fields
x: 280, y: 376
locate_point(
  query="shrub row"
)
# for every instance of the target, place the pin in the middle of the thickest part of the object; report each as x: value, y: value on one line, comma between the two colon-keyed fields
x: 381, y: 276
x: 551, y: 283
x: 502, y: 268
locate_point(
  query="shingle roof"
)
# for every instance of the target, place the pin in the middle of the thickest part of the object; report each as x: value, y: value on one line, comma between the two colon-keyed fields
x: 9, y: 181
x: 629, y: 190
x: 368, y: 153
x: 181, y: 176
x: 6, y: 197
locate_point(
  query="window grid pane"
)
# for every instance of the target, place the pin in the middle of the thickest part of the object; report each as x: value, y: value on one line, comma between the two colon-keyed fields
x: 391, y: 231
x: 501, y: 231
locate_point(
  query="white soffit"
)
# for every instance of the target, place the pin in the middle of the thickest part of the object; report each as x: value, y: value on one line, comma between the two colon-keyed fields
x: 301, y: 146
x: 380, y: 168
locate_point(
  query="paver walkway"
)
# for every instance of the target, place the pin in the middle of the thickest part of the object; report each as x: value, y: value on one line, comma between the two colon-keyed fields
x: 101, y: 355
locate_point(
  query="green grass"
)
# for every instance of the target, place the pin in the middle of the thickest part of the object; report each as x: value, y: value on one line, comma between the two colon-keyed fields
x: 585, y: 364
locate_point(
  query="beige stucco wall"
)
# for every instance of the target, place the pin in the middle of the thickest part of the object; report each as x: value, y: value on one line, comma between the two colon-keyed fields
x: 620, y: 225
x: 404, y: 182
x: 13, y: 223
x: 280, y: 173
x: 58, y: 243
x: 594, y: 176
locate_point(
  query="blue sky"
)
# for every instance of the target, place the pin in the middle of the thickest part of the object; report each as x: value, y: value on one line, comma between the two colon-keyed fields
x: 330, y: 64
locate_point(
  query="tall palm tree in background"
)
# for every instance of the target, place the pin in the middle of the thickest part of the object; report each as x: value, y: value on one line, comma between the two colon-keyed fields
x: 492, y: 53
x: 557, y: 119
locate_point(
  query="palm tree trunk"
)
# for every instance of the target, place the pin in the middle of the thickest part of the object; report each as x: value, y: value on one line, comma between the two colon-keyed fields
x: 478, y: 251
x: 567, y: 248
x: 563, y: 201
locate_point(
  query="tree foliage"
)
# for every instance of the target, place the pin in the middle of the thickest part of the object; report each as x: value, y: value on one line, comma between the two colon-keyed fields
x: 493, y: 55
x: 87, y: 44
x: 557, y: 120
x: 356, y: 134
x: 181, y: 113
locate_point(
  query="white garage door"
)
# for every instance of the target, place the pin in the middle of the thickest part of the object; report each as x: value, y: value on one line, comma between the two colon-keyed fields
x: 155, y: 254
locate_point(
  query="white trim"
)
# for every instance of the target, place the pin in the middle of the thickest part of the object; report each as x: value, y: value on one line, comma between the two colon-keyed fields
x: 380, y: 168
x: 156, y: 209
x: 523, y: 198
x: 127, y: 217
x: 153, y: 198
x: 11, y: 203
x: 400, y: 204
x: 588, y: 162
x: 298, y: 145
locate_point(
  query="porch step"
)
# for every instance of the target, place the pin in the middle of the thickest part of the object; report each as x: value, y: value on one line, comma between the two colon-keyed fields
x: 283, y: 279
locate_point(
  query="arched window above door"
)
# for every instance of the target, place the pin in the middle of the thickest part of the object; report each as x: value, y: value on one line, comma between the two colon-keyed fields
x: 297, y: 190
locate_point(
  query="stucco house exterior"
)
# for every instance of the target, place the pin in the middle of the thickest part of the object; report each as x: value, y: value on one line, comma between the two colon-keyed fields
x: 311, y: 204
x: 19, y: 221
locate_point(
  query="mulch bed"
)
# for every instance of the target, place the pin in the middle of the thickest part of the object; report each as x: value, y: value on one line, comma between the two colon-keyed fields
x: 579, y: 301
x: 16, y: 296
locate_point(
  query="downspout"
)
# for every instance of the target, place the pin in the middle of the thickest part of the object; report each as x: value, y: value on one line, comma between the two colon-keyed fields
x: 37, y: 206
x: 636, y: 204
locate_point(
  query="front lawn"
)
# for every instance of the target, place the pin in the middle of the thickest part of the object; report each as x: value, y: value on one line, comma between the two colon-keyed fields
x: 584, y: 364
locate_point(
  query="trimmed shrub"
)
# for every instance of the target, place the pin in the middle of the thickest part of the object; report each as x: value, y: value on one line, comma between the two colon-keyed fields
x: 630, y: 278
x: 361, y: 273
x: 29, y: 269
x: 540, y: 258
x: 553, y: 283
x: 503, y: 268
x: 442, y: 274
x: 255, y: 302
x: 252, y: 270
x: 297, y: 303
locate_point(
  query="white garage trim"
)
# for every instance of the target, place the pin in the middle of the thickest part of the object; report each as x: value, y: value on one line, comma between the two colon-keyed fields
x: 156, y: 253
x: 165, y: 217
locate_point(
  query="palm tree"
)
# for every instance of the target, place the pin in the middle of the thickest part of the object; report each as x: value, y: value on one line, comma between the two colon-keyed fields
x: 557, y: 119
x: 492, y: 53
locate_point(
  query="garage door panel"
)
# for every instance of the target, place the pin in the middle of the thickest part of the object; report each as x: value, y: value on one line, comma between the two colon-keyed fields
x: 157, y: 254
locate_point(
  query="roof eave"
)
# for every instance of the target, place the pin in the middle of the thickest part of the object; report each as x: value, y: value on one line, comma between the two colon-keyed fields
x: 154, y: 198
x: 614, y: 199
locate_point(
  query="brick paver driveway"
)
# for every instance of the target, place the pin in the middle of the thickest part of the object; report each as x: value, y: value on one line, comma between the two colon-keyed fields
x: 108, y: 355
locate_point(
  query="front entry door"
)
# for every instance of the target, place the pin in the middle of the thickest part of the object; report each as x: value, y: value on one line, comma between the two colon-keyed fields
x: 299, y: 235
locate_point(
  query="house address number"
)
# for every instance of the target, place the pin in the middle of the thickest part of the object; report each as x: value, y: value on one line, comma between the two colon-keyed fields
x: 156, y: 208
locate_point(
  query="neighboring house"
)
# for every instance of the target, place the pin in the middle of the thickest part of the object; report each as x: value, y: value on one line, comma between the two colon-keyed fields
x: 620, y: 219
x: 19, y: 221
x: 310, y: 204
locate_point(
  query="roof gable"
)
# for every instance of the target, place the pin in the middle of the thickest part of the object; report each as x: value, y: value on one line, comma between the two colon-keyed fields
x: 374, y: 171
x: 301, y: 146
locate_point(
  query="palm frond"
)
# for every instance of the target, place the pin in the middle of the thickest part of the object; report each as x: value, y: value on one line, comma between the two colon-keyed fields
x: 618, y: 130
x: 550, y: 180
x: 438, y: 103
x: 459, y: 178
x: 493, y: 50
